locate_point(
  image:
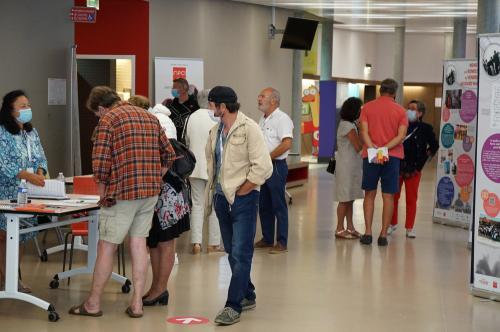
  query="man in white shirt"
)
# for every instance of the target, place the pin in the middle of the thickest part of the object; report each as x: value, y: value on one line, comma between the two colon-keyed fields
x: 277, y: 128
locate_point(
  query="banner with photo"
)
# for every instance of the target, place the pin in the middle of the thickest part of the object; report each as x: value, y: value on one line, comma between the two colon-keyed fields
x: 486, y: 245
x: 457, y: 144
x: 169, y: 69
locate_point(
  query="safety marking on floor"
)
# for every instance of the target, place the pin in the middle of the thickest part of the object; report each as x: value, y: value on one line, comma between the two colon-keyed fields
x: 187, y: 320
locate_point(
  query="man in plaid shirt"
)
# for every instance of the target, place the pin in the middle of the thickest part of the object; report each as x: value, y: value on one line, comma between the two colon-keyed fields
x: 131, y: 154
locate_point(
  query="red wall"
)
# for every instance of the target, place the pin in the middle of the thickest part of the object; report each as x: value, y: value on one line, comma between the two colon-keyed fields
x: 122, y: 28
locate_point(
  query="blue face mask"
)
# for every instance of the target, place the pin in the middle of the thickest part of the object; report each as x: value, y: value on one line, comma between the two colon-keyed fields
x: 175, y: 93
x: 412, y: 115
x: 25, y: 116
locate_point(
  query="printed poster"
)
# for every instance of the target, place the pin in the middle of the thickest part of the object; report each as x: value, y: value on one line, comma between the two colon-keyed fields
x: 486, y: 243
x: 457, y: 144
x: 169, y: 69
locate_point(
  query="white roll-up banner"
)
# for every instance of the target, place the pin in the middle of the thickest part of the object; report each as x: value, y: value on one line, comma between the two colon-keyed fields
x: 169, y: 69
x: 457, y: 144
x: 486, y: 243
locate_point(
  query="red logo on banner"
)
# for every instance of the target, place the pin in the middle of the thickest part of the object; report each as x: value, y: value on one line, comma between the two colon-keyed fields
x: 495, y: 285
x: 179, y: 72
x: 187, y: 320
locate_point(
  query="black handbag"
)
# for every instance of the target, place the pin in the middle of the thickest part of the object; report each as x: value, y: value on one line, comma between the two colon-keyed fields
x: 331, y: 165
x: 184, y: 162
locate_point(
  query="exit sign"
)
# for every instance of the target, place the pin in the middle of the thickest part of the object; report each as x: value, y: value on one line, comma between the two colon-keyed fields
x: 93, y: 3
x: 83, y: 15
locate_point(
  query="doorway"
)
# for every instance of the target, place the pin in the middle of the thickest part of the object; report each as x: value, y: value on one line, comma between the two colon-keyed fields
x: 115, y: 71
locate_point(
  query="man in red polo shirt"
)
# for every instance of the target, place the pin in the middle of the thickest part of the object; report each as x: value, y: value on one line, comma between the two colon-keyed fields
x: 383, y: 124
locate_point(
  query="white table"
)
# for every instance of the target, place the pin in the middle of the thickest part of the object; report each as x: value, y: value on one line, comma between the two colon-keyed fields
x: 61, y: 214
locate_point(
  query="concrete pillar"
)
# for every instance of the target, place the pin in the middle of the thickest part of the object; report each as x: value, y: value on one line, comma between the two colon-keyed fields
x: 488, y: 16
x: 298, y: 61
x: 326, y: 50
x: 459, y: 37
x: 448, y: 45
x: 297, y: 75
x: 399, y: 60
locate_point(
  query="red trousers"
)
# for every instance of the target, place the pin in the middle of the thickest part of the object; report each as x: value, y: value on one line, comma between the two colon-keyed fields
x: 411, y: 190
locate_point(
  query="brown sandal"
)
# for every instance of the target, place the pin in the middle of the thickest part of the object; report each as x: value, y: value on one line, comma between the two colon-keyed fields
x: 132, y: 314
x: 83, y: 312
x: 343, y: 234
x: 355, y: 234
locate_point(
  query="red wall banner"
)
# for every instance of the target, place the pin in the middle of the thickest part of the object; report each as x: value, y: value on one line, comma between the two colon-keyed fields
x: 122, y: 29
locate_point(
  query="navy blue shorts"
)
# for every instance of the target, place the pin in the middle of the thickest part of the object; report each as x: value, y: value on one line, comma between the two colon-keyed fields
x: 387, y: 174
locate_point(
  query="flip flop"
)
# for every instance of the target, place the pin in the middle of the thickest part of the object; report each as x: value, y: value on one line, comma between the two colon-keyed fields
x: 343, y: 234
x: 83, y: 312
x: 132, y: 314
x: 354, y: 233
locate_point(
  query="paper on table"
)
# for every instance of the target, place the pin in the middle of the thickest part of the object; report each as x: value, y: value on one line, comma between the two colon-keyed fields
x: 379, y: 153
x: 52, y: 188
x: 77, y: 202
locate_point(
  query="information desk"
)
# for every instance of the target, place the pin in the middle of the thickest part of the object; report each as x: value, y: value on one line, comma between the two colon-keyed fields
x: 61, y: 213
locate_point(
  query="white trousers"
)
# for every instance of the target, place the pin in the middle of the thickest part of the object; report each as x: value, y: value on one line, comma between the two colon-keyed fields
x: 197, y: 215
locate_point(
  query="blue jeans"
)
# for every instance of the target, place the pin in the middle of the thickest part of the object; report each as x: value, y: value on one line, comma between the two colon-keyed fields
x: 237, y: 227
x: 273, y: 206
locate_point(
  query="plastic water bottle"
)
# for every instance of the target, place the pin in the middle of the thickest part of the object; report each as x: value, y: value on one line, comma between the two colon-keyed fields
x: 22, y: 193
x: 60, y: 177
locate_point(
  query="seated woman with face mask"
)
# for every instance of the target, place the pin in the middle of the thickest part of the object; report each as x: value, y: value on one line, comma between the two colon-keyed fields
x: 21, y: 158
x: 420, y: 146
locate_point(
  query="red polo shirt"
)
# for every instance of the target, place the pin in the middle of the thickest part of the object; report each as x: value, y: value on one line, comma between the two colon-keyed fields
x: 384, y: 117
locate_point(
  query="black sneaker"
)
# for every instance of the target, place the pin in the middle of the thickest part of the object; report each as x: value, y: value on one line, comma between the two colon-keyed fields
x: 382, y: 241
x: 366, y: 239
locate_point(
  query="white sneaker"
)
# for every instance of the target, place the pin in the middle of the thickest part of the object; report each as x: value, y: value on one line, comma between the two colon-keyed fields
x: 410, y: 233
x: 391, y: 229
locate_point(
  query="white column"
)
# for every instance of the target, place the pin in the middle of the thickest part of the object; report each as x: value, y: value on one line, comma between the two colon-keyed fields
x: 399, y: 60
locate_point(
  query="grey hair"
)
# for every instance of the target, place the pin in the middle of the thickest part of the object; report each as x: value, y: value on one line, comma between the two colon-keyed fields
x: 275, y: 95
x: 203, y: 98
x: 388, y: 86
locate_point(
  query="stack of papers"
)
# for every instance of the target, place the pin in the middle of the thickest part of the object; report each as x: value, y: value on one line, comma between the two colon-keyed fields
x: 53, y: 189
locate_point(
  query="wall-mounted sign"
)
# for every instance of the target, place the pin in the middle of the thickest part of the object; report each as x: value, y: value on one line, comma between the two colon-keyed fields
x: 83, y: 15
x: 93, y: 3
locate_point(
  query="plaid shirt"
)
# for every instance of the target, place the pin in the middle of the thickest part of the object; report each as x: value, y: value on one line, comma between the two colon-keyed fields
x: 129, y: 150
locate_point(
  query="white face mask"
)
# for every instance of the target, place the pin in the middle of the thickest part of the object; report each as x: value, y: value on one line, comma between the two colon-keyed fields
x: 212, y: 116
x: 412, y: 115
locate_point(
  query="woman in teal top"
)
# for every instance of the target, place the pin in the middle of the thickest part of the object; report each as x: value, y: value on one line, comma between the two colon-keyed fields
x: 21, y: 157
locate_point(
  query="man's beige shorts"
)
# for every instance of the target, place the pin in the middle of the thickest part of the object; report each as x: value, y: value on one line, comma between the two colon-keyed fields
x: 126, y: 217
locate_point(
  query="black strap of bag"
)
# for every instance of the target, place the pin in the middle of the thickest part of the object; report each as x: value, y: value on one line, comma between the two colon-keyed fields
x: 332, y: 163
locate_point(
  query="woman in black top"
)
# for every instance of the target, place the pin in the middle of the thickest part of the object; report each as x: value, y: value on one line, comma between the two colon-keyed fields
x: 420, y: 146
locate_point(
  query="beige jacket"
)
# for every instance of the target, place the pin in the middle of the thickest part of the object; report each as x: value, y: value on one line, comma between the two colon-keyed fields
x: 245, y: 157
